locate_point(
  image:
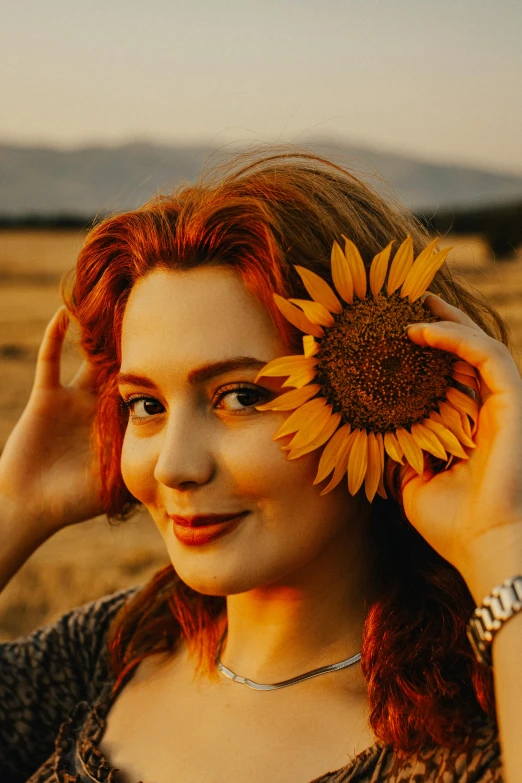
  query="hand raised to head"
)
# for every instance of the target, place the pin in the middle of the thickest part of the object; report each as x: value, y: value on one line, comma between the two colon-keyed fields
x: 47, y: 466
x: 478, y: 499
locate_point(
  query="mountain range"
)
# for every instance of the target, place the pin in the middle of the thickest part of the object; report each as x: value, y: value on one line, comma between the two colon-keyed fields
x: 87, y: 181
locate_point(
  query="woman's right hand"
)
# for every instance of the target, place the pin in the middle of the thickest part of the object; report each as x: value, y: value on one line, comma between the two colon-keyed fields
x: 47, y: 469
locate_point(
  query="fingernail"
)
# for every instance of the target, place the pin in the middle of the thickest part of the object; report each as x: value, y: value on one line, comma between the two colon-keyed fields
x: 425, y: 296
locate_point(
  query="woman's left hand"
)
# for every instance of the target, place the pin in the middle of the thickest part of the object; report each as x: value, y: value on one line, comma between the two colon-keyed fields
x: 473, y: 510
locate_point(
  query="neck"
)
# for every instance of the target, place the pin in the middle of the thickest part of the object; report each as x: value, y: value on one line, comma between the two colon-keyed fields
x: 313, y: 618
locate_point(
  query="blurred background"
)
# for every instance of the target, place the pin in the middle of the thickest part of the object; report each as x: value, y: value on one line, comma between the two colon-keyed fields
x: 105, y: 104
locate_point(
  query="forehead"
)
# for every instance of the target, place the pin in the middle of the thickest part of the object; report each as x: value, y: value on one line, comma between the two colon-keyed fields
x: 194, y: 316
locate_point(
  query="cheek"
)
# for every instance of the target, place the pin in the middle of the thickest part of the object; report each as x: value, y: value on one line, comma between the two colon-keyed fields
x: 285, y: 491
x: 138, y: 462
x: 248, y: 463
x: 260, y: 466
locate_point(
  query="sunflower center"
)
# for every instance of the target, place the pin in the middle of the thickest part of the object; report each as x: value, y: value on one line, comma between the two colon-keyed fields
x: 371, y: 372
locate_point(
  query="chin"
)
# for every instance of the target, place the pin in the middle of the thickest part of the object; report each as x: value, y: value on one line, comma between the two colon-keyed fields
x: 217, y: 584
x: 220, y: 575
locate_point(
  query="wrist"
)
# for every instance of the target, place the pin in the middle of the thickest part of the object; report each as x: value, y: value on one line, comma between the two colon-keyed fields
x: 20, y: 536
x: 495, y: 556
x: 503, y: 604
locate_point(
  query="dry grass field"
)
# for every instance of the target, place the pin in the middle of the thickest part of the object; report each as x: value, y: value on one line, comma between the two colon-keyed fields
x: 92, y: 559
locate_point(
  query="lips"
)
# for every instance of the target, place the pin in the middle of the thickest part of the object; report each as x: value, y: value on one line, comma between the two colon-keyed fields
x: 198, y: 530
x: 207, y: 519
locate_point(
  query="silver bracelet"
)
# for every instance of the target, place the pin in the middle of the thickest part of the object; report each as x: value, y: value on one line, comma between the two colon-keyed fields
x: 503, y: 602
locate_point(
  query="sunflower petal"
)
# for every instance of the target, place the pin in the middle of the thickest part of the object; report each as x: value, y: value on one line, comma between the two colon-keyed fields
x: 314, y: 311
x: 380, y: 443
x: 468, y: 429
x: 412, y: 451
x: 418, y: 267
x: 427, y: 440
x: 464, y: 368
x: 462, y: 402
x: 428, y: 251
x: 341, y: 274
x: 300, y: 417
x: 300, y: 377
x: 319, y: 289
x: 331, y: 450
x: 391, y: 444
x: 357, y: 461
x: 357, y: 267
x: 311, y: 430
x: 310, y: 347
x: 381, y: 489
x: 290, y: 400
x: 435, y: 415
x: 285, y: 365
x: 341, y: 463
x: 374, y: 471
x: 447, y: 438
x: 325, y: 435
x: 401, y: 265
x: 452, y: 420
x: 466, y: 380
x: 379, y: 269
x: 296, y: 317
x: 424, y: 277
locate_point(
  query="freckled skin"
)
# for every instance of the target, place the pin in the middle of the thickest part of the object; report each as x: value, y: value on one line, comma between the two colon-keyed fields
x: 195, y: 458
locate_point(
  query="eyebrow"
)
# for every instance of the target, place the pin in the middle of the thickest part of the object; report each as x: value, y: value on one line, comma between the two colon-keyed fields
x: 204, y: 373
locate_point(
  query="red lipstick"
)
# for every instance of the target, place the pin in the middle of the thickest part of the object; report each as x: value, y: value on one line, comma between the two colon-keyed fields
x: 197, y: 530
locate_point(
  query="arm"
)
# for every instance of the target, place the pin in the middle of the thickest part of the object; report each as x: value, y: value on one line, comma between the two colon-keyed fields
x: 472, y: 513
x: 48, y: 478
x: 19, y: 537
x: 507, y: 654
x: 47, y: 481
x: 492, y: 557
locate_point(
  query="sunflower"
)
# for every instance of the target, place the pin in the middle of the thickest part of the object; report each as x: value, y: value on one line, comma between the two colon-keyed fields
x: 361, y: 387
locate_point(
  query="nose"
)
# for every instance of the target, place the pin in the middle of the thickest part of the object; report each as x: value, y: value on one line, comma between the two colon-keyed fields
x: 185, y: 458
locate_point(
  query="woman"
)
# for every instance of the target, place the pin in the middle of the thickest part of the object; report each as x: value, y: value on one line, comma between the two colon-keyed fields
x: 279, y: 567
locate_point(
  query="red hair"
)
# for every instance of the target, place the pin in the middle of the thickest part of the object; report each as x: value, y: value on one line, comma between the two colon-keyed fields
x: 261, y: 216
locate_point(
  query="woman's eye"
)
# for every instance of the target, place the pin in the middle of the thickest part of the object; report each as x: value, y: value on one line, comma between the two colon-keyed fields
x: 235, y: 399
x: 240, y: 398
x: 142, y: 407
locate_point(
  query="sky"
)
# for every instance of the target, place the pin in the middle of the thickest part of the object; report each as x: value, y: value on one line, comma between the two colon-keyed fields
x: 435, y: 79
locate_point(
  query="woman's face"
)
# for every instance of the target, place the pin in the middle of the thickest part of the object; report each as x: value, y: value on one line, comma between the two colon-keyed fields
x: 192, y: 345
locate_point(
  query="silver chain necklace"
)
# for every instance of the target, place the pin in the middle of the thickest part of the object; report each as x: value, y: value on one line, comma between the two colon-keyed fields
x: 257, y: 686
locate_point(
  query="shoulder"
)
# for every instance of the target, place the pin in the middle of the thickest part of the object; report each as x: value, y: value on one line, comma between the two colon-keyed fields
x: 75, y: 643
x: 84, y: 631
x: 82, y: 624
x: 93, y: 615
x: 91, y: 621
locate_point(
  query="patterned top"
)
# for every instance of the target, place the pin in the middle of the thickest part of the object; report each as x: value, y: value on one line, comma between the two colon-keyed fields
x: 55, y: 689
